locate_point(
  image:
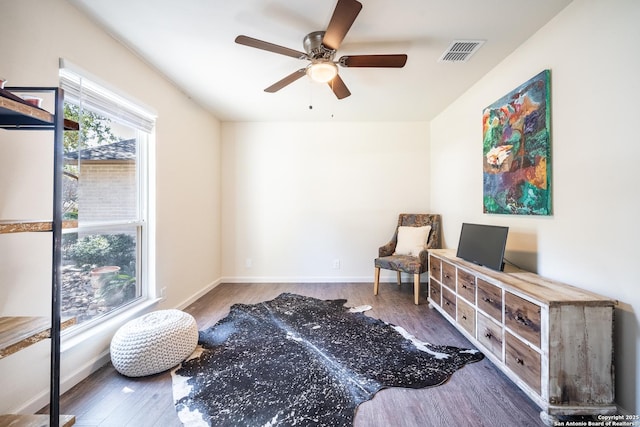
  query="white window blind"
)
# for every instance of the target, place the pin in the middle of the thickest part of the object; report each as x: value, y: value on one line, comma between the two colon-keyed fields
x: 87, y: 92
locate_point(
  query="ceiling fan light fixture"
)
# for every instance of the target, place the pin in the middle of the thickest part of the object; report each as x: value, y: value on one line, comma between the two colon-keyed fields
x: 322, y: 72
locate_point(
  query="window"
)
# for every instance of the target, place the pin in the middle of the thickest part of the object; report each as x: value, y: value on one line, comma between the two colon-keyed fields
x: 105, y: 197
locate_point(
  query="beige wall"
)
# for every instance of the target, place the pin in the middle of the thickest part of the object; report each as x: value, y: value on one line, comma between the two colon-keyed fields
x: 591, y: 240
x: 298, y: 196
x: 187, y: 184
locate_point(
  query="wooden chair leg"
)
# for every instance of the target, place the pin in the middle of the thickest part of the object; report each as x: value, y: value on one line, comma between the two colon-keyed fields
x: 399, y: 278
x: 416, y: 289
x: 376, y: 281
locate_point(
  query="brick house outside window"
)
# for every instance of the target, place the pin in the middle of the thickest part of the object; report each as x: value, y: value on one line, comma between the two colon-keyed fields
x: 106, y: 181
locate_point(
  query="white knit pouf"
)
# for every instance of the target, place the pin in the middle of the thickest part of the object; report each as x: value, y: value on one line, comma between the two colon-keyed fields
x: 153, y: 343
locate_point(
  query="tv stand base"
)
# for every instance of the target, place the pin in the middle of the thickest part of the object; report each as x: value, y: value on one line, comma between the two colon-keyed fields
x: 553, y: 340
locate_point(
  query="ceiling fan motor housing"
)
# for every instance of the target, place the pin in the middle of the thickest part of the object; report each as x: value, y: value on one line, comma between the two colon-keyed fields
x: 312, y: 43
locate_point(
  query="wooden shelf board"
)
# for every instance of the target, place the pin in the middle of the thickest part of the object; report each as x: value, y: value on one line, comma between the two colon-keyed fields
x: 13, y: 420
x: 16, y: 113
x: 19, y: 332
x: 71, y: 125
x: 17, y: 226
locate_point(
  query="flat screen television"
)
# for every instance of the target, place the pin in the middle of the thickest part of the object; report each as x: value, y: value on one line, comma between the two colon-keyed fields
x: 483, y: 244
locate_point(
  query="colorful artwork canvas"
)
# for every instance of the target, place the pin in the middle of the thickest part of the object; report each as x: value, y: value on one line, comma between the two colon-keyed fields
x: 517, y: 150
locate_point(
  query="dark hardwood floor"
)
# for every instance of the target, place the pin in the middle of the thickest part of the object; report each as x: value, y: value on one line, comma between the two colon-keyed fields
x: 477, y: 395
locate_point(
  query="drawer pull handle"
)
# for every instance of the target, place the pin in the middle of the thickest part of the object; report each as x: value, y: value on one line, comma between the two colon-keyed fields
x: 446, y: 303
x: 464, y: 317
x: 522, y: 320
x: 489, y: 300
x: 464, y: 286
x: 519, y: 361
x: 488, y: 335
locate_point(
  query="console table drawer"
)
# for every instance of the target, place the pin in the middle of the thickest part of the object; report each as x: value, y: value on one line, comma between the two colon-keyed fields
x: 490, y: 335
x: 522, y: 317
x: 449, y: 302
x: 523, y: 361
x: 435, y: 267
x: 435, y: 292
x: 467, y: 316
x: 467, y: 286
x: 490, y: 299
x: 449, y: 275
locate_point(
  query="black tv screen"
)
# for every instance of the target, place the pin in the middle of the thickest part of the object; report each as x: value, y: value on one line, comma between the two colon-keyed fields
x: 483, y: 245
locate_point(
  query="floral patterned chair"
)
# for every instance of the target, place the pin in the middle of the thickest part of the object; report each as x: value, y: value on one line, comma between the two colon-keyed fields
x: 407, y: 250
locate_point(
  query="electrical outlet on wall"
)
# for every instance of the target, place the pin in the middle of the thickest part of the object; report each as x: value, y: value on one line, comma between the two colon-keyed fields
x: 163, y: 292
x: 336, y: 264
x: 248, y: 263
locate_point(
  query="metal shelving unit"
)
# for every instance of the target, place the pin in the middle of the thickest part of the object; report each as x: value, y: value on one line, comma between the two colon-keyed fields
x: 17, y: 333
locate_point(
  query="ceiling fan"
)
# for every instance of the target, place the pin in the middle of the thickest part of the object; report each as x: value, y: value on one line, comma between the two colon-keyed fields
x: 320, y: 49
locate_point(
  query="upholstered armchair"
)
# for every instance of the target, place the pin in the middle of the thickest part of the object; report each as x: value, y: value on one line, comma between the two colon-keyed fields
x: 407, y: 250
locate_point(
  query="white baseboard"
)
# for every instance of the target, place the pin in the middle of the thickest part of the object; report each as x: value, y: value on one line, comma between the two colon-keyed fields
x: 84, y: 371
x: 198, y: 294
x: 42, y: 399
x: 306, y: 279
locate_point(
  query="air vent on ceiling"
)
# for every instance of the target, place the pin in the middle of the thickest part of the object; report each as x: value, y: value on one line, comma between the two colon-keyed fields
x: 461, y: 50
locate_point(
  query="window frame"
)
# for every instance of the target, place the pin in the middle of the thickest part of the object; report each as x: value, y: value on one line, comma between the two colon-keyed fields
x: 123, y: 110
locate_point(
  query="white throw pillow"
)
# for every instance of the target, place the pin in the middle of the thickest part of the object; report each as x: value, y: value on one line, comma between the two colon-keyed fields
x: 412, y: 240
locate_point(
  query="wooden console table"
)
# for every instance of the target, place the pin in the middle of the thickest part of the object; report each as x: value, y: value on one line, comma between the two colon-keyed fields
x: 553, y: 340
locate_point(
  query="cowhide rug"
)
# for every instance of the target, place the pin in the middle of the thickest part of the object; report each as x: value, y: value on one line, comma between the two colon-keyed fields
x: 302, y: 361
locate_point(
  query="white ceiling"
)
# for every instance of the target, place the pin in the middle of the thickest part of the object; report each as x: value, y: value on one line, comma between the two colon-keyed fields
x: 192, y: 43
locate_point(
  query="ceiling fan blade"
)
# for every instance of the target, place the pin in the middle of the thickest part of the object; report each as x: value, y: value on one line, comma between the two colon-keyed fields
x: 344, y: 14
x: 338, y: 87
x: 270, y: 47
x: 286, y: 81
x: 385, y: 61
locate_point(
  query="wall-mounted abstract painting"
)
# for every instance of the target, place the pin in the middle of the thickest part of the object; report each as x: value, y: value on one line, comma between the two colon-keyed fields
x: 517, y: 150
